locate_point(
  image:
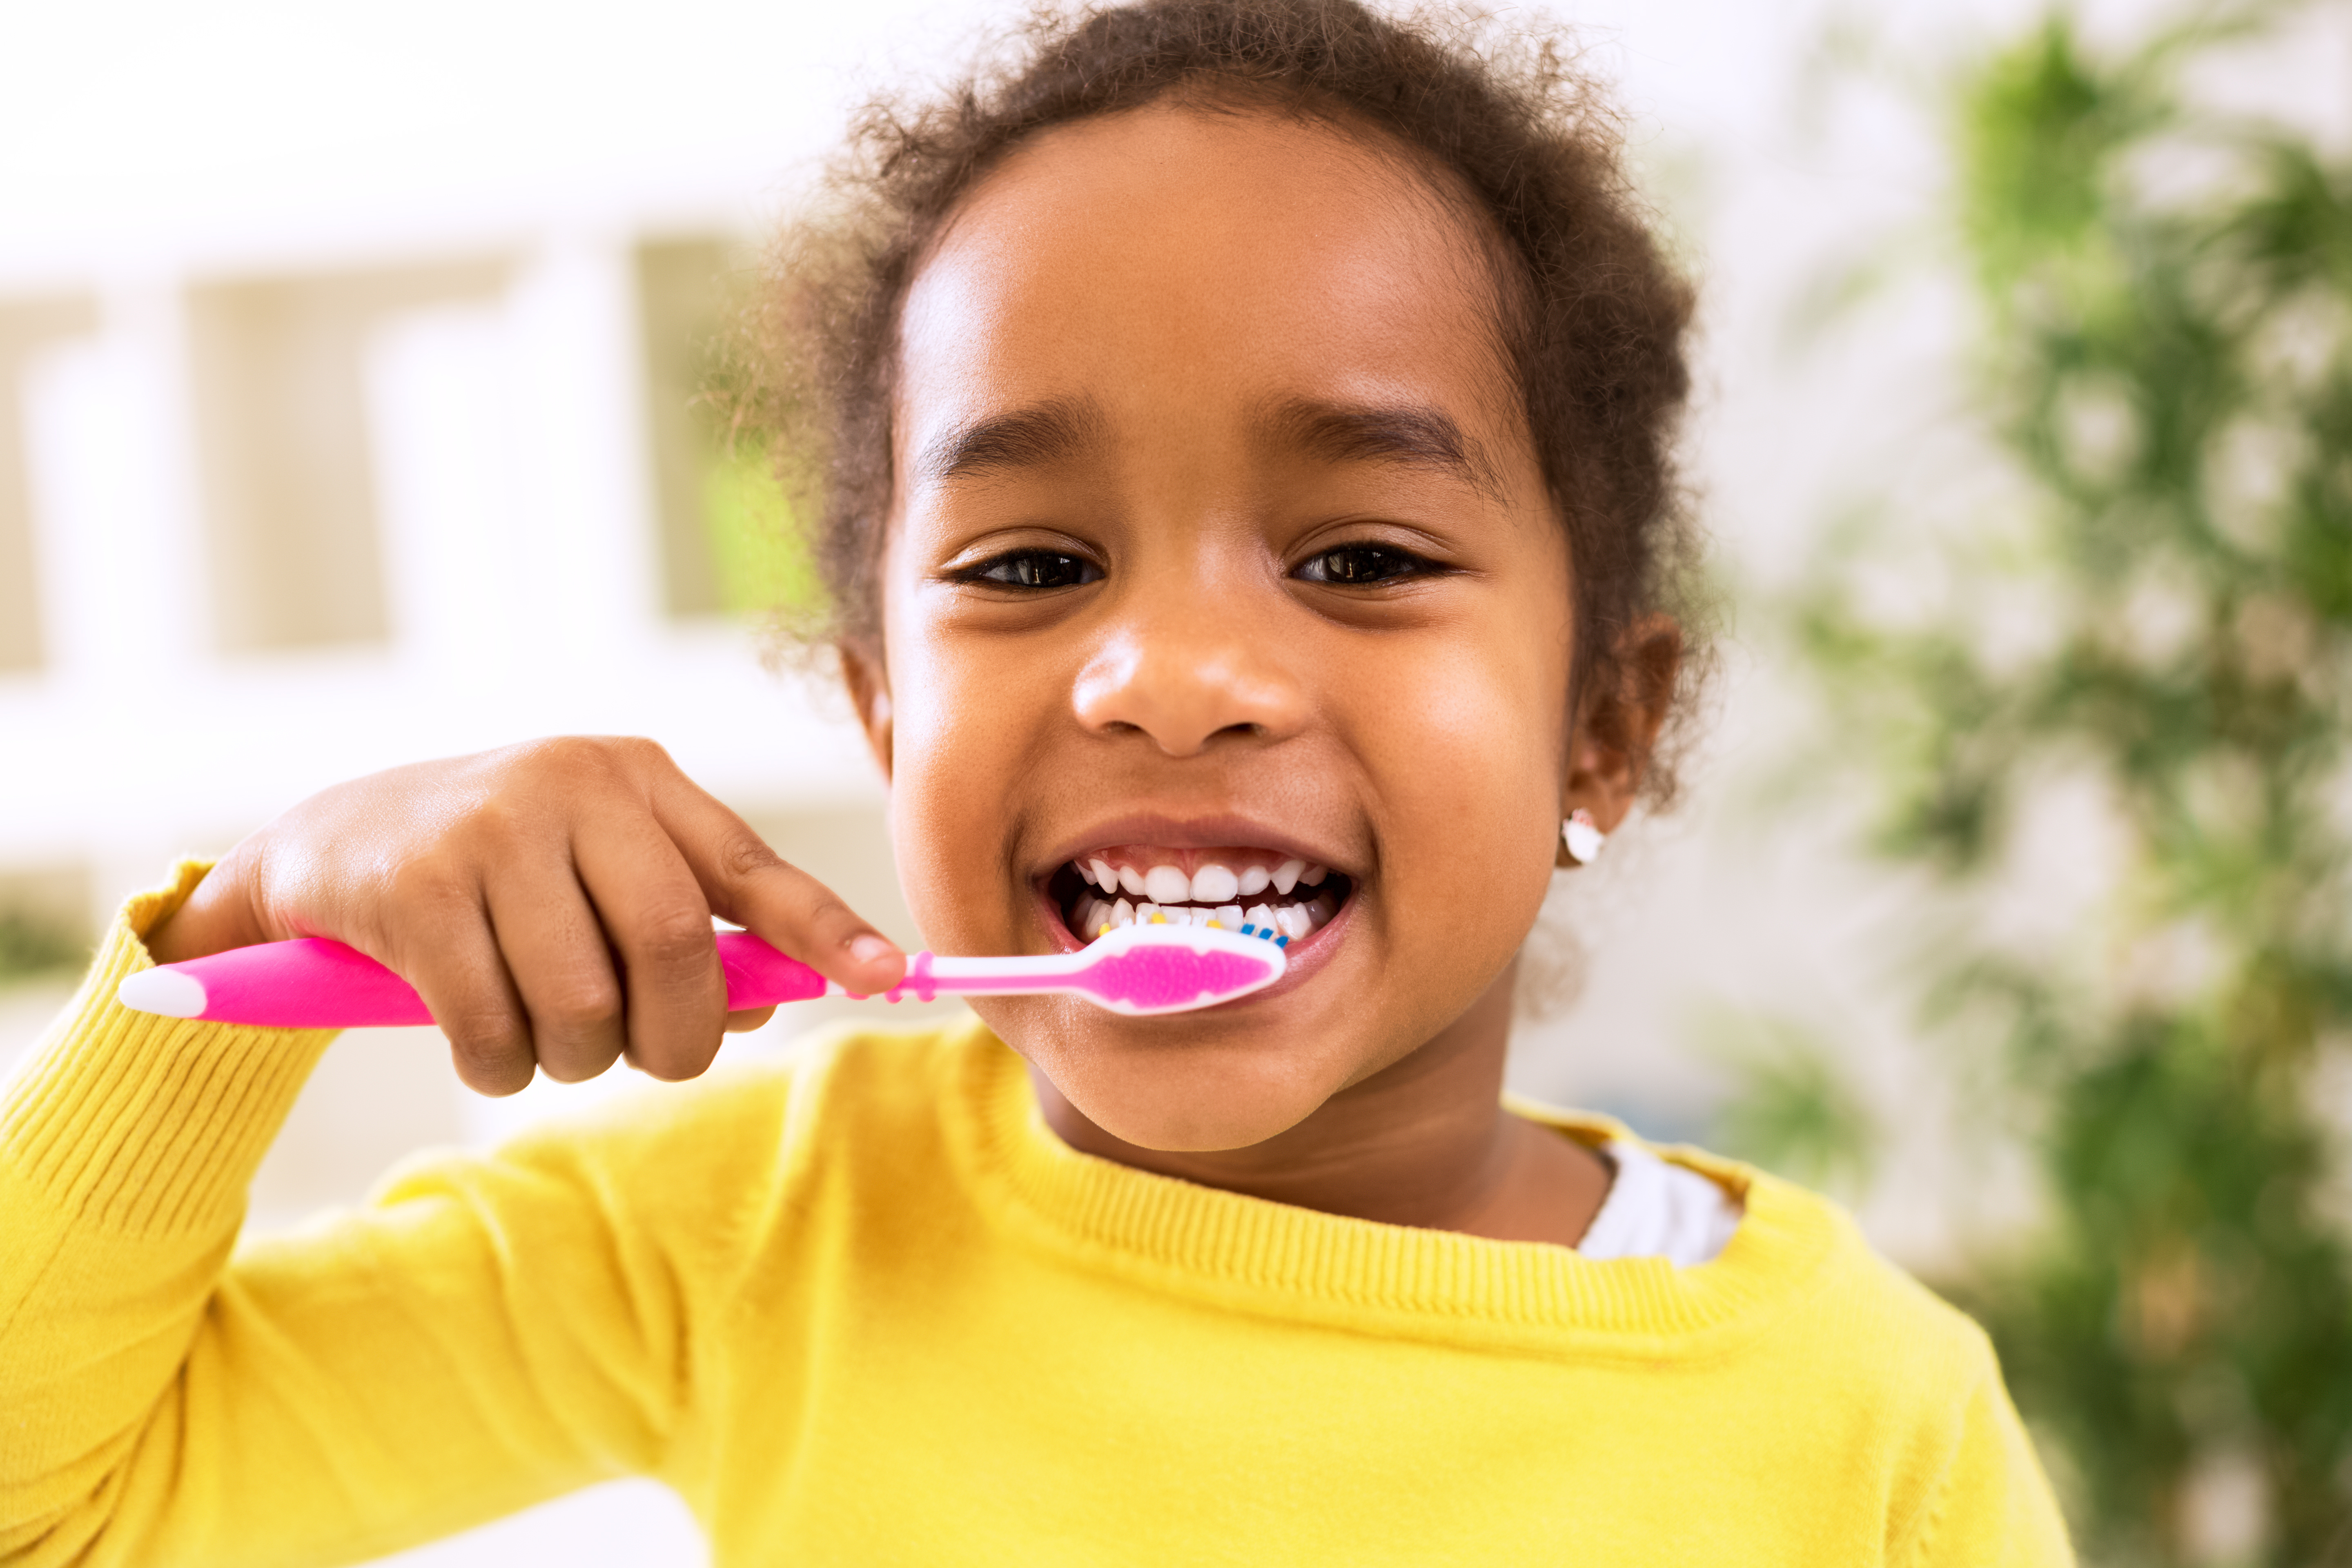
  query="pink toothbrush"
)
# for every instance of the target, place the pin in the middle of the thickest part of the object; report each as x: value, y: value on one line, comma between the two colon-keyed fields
x: 318, y: 984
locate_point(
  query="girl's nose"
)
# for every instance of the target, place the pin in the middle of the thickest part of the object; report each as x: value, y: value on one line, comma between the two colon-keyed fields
x: 1184, y: 676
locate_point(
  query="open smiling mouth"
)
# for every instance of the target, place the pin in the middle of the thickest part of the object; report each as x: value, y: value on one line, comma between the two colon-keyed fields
x: 1124, y: 884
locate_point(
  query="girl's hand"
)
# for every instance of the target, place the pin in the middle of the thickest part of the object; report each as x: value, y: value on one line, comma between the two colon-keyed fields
x: 551, y: 901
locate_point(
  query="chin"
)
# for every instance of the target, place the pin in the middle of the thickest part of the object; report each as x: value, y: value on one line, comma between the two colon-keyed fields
x: 1178, y: 1084
x: 1193, y: 1119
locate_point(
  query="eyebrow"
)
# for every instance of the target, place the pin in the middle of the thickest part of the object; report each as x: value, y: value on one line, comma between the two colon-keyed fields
x: 1409, y: 434
x: 1031, y: 437
x: 1047, y: 433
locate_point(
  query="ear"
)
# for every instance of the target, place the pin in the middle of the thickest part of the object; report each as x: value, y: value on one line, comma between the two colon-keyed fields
x: 1609, y: 751
x: 870, y: 688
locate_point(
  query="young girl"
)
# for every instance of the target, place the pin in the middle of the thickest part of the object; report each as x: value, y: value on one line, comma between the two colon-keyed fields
x: 1247, y: 485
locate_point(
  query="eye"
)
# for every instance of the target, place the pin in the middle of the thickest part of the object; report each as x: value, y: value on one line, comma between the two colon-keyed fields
x: 1358, y: 564
x: 1033, y: 569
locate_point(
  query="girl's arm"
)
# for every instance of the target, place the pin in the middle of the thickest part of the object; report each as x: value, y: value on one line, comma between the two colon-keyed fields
x: 486, y: 1333
x: 489, y: 1332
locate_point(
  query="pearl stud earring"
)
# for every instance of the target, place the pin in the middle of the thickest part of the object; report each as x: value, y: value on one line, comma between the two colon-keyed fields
x: 1582, y: 837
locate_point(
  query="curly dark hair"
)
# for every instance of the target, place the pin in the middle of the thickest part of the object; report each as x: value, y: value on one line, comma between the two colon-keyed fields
x: 1593, y: 312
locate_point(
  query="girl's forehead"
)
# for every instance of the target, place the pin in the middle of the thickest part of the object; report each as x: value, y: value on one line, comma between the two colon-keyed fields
x: 1203, y: 258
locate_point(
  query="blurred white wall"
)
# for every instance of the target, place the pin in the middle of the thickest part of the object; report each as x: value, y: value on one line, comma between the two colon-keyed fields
x: 411, y: 241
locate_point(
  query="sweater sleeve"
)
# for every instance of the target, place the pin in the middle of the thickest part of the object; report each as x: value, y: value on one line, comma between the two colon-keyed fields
x: 484, y: 1334
x: 1993, y: 1505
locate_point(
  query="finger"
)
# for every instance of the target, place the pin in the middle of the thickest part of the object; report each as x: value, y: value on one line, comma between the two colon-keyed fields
x: 749, y: 1019
x: 792, y: 911
x: 555, y: 951
x: 674, y: 994
x: 441, y: 943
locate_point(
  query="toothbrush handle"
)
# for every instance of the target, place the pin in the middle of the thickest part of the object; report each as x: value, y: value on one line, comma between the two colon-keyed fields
x: 760, y: 976
x: 313, y: 984
x: 309, y: 984
x: 1017, y: 974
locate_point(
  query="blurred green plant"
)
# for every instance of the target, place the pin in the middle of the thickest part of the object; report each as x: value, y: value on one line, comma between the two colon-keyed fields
x: 2164, y: 311
x: 760, y: 558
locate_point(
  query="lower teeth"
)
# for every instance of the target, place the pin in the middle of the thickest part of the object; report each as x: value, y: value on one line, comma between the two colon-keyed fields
x: 1092, y: 917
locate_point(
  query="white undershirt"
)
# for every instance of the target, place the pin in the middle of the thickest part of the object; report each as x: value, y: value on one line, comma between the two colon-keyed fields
x: 1657, y: 1210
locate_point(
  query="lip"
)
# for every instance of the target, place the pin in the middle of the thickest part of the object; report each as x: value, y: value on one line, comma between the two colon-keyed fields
x: 1223, y: 832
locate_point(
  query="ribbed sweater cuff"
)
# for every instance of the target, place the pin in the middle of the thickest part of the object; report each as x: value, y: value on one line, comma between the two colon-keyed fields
x: 148, y: 1125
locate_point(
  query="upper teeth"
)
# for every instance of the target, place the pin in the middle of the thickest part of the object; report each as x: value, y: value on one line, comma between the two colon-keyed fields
x: 1215, y: 885
x: 1212, y: 884
x: 1162, y: 892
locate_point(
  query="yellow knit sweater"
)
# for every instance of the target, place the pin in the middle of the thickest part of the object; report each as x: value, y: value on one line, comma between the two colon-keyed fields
x: 868, y: 1309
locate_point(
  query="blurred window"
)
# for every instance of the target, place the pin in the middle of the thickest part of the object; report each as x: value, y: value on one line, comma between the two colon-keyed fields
x: 728, y: 545
x: 28, y: 328
x: 282, y: 437
x: 681, y: 300
x: 45, y: 926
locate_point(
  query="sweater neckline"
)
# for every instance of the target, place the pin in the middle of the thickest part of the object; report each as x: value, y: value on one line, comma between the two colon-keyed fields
x: 1256, y: 1254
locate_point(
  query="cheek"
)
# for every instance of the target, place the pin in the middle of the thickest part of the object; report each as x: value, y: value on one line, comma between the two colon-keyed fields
x: 938, y: 787
x: 1470, y: 739
x: 964, y: 764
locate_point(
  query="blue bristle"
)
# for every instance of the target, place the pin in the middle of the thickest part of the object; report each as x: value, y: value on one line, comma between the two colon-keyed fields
x: 1282, y: 942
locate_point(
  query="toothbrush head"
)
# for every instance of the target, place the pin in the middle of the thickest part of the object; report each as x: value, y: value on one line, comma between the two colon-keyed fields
x: 1142, y: 970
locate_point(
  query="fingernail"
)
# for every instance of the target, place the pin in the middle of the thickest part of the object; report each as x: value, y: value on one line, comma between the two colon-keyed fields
x: 868, y: 948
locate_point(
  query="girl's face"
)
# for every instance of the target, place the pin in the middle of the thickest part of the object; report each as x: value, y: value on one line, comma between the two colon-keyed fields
x: 1220, y: 542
